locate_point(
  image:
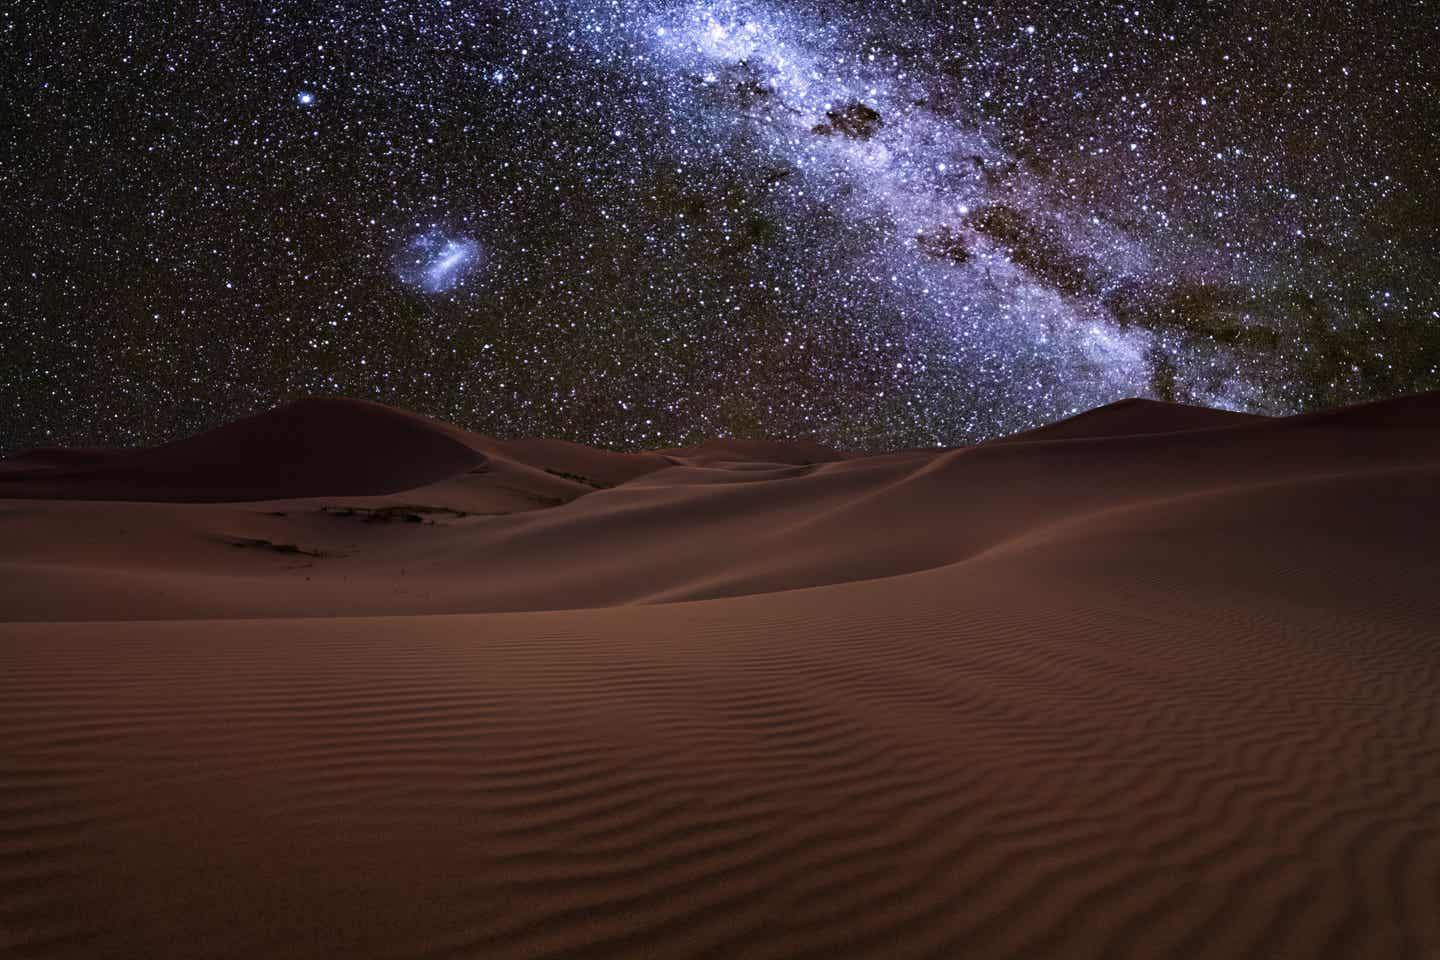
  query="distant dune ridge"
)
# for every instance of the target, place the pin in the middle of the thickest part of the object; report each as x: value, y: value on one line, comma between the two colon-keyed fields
x: 312, y: 447
x: 342, y: 680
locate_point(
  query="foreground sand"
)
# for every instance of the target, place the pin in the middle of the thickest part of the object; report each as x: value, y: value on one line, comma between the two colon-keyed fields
x: 1153, y: 682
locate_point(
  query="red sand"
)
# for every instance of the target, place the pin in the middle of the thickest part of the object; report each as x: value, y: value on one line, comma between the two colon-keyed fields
x: 1154, y: 681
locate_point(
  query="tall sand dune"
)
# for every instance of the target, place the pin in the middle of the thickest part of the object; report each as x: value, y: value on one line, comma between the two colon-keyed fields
x: 305, y: 448
x: 1135, y: 416
x: 1151, y: 682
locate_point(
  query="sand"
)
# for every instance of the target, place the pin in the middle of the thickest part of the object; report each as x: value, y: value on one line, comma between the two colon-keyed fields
x: 1151, y: 682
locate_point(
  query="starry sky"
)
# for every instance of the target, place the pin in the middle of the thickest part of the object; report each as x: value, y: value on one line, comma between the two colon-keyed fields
x: 640, y: 223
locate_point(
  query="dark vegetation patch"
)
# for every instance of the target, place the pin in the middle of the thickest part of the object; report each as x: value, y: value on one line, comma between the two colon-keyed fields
x: 257, y: 543
x: 580, y: 478
x: 400, y: 513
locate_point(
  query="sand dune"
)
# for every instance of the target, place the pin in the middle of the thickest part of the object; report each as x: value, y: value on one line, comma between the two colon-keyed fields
x: 317, y: 446
x: 518, y: 534
x: 1134, y: 417
x: 1150, y: 682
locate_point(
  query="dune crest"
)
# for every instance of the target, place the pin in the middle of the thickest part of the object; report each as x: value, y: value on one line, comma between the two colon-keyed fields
x: 1136, y: 416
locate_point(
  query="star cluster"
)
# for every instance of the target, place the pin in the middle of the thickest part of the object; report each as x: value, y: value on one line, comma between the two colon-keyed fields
x: 638, y: 223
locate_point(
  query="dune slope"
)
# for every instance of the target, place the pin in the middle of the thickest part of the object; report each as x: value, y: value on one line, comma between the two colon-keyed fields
x: 517, y: 533
x: 1169, y: 693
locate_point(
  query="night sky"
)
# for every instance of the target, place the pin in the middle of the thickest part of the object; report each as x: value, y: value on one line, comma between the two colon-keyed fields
x: 641, y: 223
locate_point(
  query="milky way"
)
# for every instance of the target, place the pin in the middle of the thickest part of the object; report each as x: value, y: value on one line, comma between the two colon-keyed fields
x: 642, y: 223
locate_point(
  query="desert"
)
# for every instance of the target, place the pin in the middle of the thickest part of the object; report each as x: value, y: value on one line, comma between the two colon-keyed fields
x: 1153, y: 681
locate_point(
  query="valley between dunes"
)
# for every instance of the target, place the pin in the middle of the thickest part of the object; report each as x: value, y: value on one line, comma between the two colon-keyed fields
x: 339, y: 680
